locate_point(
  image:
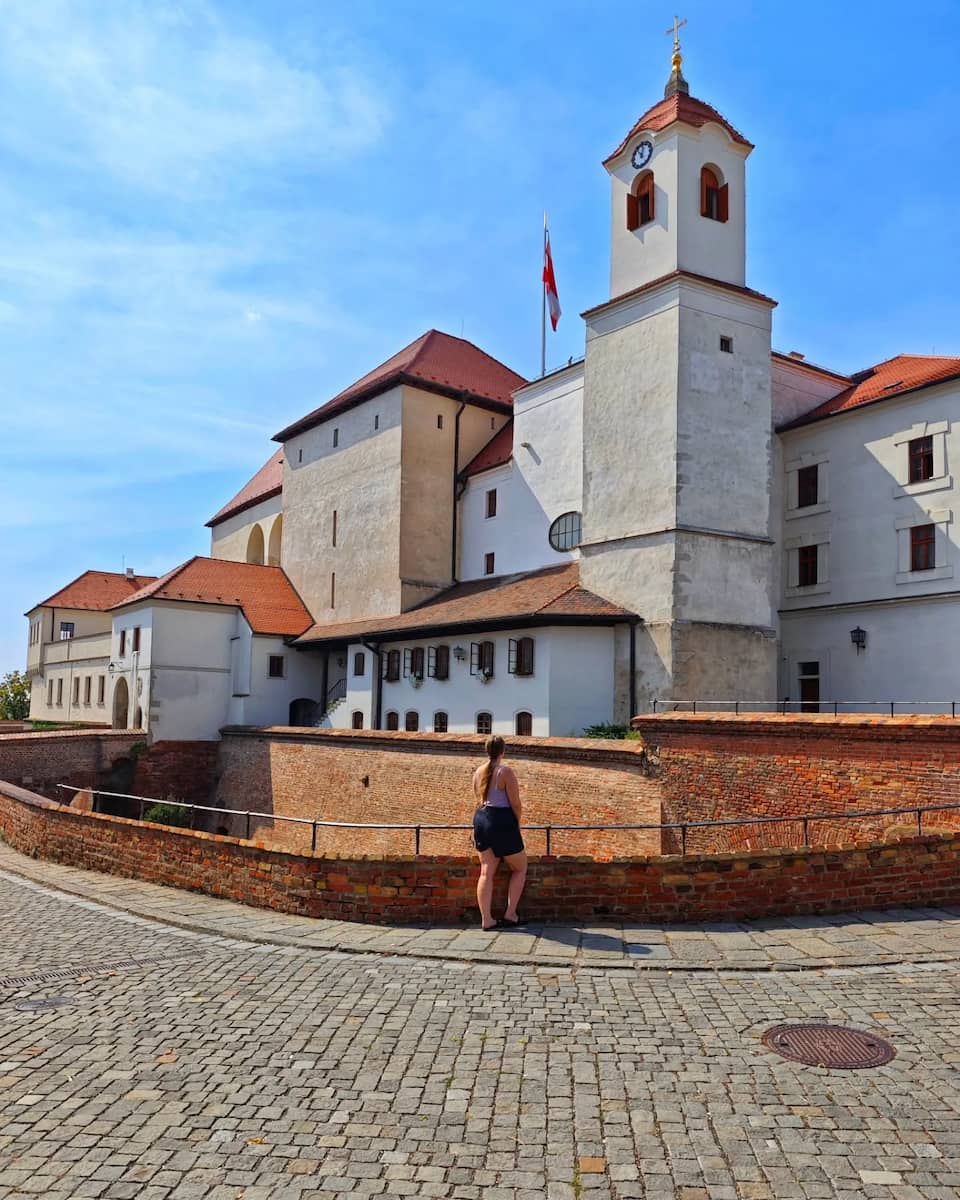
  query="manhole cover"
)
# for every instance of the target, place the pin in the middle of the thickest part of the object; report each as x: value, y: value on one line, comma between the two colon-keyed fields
x: 46, y: 1002
x: 834, y: 1046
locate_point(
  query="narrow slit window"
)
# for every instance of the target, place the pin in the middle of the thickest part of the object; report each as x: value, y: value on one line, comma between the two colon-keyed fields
x: 488, y: 563
x: 333, y: 589
x: 359, y: 663
x: 336, y: 438
x: 439, y: 420
x: 136, y: 638
x: 491, y: 503
x: 123, y: 642
x: 101, y: 689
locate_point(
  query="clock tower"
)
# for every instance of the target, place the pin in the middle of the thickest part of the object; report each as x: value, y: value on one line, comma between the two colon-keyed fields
x: 677, y: 436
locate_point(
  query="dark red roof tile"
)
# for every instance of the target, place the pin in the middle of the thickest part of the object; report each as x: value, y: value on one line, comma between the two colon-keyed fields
x: 96, y: 591
x: 678, y: 107
x: 496, y: 453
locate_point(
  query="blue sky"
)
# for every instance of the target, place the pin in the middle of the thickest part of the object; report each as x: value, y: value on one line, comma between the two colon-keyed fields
x: 215, y: 215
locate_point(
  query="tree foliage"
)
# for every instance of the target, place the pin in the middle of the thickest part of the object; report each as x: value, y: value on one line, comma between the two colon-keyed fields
x: 14, y: 696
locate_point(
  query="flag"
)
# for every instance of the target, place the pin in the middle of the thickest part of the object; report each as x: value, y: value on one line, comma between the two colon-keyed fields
x: 550, y: 282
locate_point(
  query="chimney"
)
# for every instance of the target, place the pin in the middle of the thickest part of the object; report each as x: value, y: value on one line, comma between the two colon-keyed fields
x: 796, y: 354
x: 129, y: 572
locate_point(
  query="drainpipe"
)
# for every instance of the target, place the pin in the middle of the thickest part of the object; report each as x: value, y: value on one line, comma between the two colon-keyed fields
x: 456, y: 485
x: 374, y: 648
x: 633, y: 671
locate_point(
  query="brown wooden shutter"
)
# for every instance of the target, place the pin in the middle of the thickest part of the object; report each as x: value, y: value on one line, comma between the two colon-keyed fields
x: 633, y: 211
x: 724, y: 206
x: 704, y: 184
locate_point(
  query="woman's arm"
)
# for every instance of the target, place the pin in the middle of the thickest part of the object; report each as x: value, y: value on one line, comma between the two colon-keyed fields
x: 512, y: 788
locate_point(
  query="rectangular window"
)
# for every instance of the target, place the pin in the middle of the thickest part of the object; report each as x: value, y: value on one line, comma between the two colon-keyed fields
x: 524, y: 724
x: 439, y: 420
x: 136, y: 638
x: 275, y: 666
x: 726, y: 345
x: 438, y: 662
x: 440, y: 722
x: 60, y: 691
x: 809, y: 673
x: 300, y: 456
x: 101, y: 689
x: 411, y: 722
x: 333, y: 589
x: 336, y: 438
x: 488, y: 560
x: 492, y: 503
x: 50, y: 694
x: 356, y: 721
x: 921, y: 459
x: 808, y: 480
x: 87, y: 689
x: 521, y: 656
x: 393, y: 720
x: 359, y: 663
x: 391, y: 666
x: 922, y: 548
x: 481, y: 658
x: 66, y: 630
x: 416, y: 662
x: 806, y: 566
x: 123, y: 642
x: 484, y: 722
x: 76, y: 690
x: 376, y: 421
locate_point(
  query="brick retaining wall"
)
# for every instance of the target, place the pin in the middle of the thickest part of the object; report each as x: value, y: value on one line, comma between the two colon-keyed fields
x: 408, y: 778
x: 42, y: 760
x: 921, y: 871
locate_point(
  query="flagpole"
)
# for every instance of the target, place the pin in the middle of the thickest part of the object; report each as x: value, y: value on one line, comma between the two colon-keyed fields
x: 543, y: 305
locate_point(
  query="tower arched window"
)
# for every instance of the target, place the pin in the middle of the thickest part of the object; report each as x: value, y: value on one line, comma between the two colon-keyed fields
x: 640, y: 201
x: 714, y: 201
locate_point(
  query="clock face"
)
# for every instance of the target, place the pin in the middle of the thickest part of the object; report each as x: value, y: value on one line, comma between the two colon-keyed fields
x: 641, y: 155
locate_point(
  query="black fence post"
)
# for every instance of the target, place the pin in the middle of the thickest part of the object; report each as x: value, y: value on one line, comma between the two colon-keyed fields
x: 313, y: 839
x: 548, y: 830
x: 248, y: 825
x: 919, y: 822
x: 683, y: 839
x: 892, y: 702
x: 416, y: 844
x: 806, y: 832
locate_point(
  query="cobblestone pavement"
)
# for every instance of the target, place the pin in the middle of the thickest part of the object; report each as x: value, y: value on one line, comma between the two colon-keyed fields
x: 783, y: 943
x: 217, y: 1069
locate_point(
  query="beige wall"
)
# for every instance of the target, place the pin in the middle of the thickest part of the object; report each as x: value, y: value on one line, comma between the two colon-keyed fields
x: 230, y: 539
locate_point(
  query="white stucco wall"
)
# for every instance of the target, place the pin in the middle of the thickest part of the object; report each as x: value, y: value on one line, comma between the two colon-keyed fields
x: 581, y: 679
x: 230, y: 539
x: 268, y: 701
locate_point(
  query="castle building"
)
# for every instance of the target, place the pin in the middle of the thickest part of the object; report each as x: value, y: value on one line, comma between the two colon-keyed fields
x: 684, y: 514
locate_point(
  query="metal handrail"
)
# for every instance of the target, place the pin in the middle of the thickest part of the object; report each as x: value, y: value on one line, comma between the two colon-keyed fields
x: 804, y: 819
x: 781, y: 706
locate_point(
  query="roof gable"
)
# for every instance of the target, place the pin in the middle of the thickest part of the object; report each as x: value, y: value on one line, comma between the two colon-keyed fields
x: 435, y: 361
x: 678, y: 107
x: 267, y: 482
x: 96, y: 591
x: 496, y: 453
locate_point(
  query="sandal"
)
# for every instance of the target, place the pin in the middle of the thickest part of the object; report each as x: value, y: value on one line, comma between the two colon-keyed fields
x: 490, y: 928
x: 506, y: 923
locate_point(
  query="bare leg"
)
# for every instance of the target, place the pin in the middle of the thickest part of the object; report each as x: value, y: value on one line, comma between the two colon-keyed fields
x: 488, y: 869
x: 518, y: 877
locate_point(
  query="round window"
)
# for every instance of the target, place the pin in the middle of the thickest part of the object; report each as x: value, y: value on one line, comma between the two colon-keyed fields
x: 565, y: 532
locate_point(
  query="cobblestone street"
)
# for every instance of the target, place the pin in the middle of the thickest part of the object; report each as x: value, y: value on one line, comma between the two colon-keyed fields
x: 186, y: 1064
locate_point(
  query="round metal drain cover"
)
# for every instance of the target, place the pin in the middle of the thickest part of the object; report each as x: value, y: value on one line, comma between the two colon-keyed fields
x: 835, y: 1046
x: 46, y: 1002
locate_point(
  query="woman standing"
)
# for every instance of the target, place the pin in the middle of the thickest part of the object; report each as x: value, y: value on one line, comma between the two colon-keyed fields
x: 496, y: 834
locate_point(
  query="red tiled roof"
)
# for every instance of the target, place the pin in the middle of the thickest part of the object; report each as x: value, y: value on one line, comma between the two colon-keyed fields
x: 553, y: 594
x: 895, y: 377
x: 96, y: 591
x: 267, y: 597
x: 678, y: 107
x: 497, y: 452
x: 267, y: 482
x: 435, y: 361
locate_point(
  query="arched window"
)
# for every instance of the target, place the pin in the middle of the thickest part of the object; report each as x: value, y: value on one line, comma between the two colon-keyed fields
x: 640, y: 201
x: 484, y: 722
x: 255, y: 546
x: 524, y: 724
x: 714, y: 203
x: 439, y: 722
x: 411, y: 722
x: 565, y: 532
x: 356, y: 721
x: 276, y: 536
x: 393, y: 720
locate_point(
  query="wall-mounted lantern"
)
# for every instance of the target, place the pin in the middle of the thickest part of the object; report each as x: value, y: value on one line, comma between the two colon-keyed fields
x: 459, y: 653
x: 859, y: 638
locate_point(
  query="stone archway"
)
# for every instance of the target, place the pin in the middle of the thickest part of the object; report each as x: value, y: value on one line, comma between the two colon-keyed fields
x: 255, y: 546
x: 276, y: 536
x: 121, y: 704
x: 303, y: 712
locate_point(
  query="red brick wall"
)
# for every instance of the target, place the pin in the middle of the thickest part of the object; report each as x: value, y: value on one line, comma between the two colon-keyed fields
x: 921, y: 871
x: 42, y: 760
x: 725, y: 766
x: 184, y: 770
x: 403, y: 778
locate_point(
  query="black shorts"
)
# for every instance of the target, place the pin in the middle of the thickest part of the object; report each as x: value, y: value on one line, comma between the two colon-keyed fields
x: 497, y: 829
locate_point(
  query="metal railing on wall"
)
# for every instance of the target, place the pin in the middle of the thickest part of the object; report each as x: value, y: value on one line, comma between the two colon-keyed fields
x: 801, y: 822
x: 945, y: 708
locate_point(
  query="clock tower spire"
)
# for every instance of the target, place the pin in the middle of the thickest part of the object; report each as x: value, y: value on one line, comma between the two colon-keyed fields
x: 676, y: 82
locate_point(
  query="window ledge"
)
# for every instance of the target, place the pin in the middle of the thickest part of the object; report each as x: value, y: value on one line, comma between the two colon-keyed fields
x: 938, y: 484
x: 811, y: 589
x: 945, y: 572
x: 811, y: 510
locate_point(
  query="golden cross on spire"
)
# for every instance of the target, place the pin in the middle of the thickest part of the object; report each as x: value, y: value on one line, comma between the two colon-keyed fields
x: 675, y: 30
x: 676, y: 82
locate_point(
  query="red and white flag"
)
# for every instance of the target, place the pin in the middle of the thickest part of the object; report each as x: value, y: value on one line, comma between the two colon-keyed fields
x: 550, y: 282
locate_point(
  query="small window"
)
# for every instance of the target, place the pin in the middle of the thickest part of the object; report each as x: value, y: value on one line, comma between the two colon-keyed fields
x: 411, y: 722
x: 356, y: 721
x: 493, y: 422
x: 275, y: 666
x: 333, y: 529
x: 413, y: 663
x: 640, y: 202
x: 359, y: 663
x: 488, y: 562
x: 922, y: 548
x: 809, y: 681
x: 726, y: 345
x: 713, y: 196
x: 391, y: 666
x: 439, y: 420
x: 438, y: 662
x: 393, y: 720
x: 336, y: 438
x: 60, y: 691
x: 136, y: 638
x: 440, y: 722
x: 76, y: 690
x: 333, y: 589
x: 300, y: 456
x: 524, y: 724
x: 123, y: 642
x: 67, y: 629
x: 921, y: 459
x: 50, y: 694
x: 101, y: 689
x: 565, y: 532
x: 484, y: 722
x: 521, y: 656
x: 88, y: 689
x: 808, y: 480
x: 491, y: 503
x: 806, y: 566
x: 481, y: 658
x: 376, y: 421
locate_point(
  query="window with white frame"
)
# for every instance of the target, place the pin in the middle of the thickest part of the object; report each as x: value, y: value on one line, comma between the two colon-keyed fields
x: 919, y: 462
x: 806, y: 485
x: 924, y: 547
x: 807, y: 564
x: 520, y: 657
x: 438, y: 662
x: 413, y: 660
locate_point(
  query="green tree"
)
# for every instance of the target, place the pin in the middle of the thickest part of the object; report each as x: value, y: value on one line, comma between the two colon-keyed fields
x: 14, y: 696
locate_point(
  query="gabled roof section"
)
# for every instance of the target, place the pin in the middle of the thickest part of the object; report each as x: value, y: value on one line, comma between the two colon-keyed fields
x: 678, y: 107
x: 551, y: 595
x: 268, y: 599
x: 267, y: 482
x: 496, y: 453
x: 897, y: 376
x: 436, y: 362
x: 96, y: 591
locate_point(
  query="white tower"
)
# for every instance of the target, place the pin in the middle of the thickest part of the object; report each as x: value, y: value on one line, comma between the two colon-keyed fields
x: 677, y: 419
